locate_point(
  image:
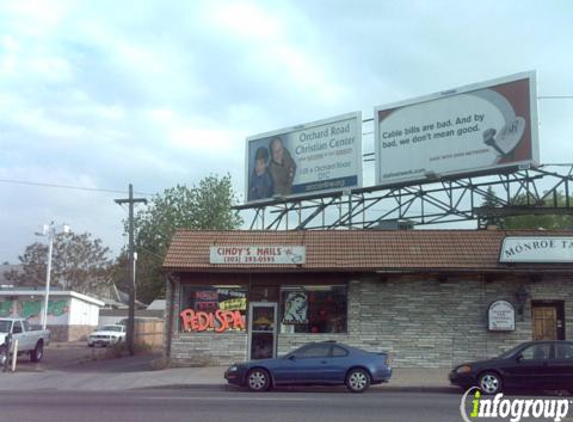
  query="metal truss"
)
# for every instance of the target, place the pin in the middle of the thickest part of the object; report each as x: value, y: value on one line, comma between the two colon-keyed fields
x: 545, y: 189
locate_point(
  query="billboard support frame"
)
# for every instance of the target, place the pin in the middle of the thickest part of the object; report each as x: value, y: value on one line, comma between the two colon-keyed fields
x: 445, y: 201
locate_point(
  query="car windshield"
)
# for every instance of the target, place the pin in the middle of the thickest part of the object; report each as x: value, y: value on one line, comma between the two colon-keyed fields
x: 110, y: 328
x: 5, y: 326
x: 510, y: 352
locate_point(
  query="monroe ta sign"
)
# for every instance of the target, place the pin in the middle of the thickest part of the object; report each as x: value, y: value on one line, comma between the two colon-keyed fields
x: 548, y: 249
x: 257, y: 255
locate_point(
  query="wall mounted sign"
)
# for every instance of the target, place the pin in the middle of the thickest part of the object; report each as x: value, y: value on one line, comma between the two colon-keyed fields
x: 501, y: 316
x: 550, y: 249
x: 257, y: 255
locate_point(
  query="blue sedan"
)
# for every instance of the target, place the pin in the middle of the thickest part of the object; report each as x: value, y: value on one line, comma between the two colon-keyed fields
x: 325, y: 363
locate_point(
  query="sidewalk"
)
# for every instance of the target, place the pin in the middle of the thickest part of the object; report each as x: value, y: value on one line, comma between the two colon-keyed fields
x: 130, y: 373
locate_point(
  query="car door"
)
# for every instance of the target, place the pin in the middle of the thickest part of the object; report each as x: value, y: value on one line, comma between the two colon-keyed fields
x: 309, y: 364
x: 529, y: 368
x: 560, y: 366
x: 340, y: 363
x: 19, y: 335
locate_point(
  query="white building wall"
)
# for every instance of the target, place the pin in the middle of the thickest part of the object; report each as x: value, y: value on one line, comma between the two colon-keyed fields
x: 83, y: 313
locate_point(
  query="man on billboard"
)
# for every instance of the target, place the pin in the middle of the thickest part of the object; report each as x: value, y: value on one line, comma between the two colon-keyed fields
x: 282, y: 167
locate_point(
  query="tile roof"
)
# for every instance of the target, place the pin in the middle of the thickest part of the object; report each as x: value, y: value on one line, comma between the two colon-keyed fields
x: 359, y: 250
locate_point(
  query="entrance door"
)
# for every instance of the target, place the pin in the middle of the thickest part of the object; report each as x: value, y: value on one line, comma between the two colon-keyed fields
x: 547, y: 319
x: 262, y: 330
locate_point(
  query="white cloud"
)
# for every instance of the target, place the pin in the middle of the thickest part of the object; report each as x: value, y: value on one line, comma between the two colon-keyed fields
x: 154, y: 93
x: 247, y: 20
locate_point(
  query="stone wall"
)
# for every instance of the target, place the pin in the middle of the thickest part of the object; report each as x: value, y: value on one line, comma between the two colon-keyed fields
x: 423, y: 322
x: 432, y: 323
x: 204, y: 349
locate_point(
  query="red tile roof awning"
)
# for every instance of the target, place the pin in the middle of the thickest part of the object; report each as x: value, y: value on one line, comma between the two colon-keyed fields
x: 360, y: 250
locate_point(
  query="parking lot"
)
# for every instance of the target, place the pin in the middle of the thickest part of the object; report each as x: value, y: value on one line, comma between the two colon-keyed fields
x: 60, y: 355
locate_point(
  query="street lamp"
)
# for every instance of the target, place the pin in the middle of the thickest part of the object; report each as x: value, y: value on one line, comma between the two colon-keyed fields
x: 49, y: 231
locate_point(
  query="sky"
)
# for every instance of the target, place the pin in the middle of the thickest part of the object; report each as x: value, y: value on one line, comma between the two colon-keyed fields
x: 98, y: 95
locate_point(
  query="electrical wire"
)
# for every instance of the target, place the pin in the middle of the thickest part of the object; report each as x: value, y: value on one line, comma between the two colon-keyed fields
x: 82, y: 188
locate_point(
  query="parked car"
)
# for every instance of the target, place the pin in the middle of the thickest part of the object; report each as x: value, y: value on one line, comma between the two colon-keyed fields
x: 108, y: 335
x: 31, y: 342
x: 543, y: 365
x: 314, y: 363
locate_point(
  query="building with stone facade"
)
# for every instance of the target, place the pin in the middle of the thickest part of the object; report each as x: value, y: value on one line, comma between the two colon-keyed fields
x: 432, y: 298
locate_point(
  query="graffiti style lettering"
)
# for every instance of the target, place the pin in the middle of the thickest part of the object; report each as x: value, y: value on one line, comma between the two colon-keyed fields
x: 6, y: 308
x: 58, y: 307
x: 30, y: 309
x: 219, y: 321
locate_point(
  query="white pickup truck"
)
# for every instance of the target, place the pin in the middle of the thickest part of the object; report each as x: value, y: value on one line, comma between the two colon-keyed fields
x: 30, y: 341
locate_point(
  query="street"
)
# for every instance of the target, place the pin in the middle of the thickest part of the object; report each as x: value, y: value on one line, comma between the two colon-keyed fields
x: 128, y: 389
x: 208, y: 405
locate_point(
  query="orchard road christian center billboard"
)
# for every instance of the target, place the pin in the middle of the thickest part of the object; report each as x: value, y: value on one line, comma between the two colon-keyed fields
x: 474, y: 129
x: 314, y: 158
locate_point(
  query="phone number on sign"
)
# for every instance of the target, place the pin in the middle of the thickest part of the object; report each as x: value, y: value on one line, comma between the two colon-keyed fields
x: 248, y: 259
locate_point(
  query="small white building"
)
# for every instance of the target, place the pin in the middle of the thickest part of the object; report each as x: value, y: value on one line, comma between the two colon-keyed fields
x: 71, y: 315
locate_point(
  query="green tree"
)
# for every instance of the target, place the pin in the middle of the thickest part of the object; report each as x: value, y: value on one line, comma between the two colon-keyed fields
x: 206, y: 206
x: 547, y: 221
x: 492, y: 201
x: 79, y: 263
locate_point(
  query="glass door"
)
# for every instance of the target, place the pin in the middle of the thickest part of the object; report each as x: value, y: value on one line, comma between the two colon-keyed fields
x: 262, y: 330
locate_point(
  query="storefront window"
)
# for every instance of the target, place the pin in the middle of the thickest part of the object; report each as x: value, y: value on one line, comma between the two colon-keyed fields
x: 313, y: 309
x: 215, y: 309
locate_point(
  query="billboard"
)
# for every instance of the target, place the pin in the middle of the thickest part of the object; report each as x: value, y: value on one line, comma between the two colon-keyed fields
x: 314, y: 158
x: 478, y: 128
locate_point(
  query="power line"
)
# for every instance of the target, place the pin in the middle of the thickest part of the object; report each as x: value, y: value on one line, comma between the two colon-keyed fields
x: 52, y: 185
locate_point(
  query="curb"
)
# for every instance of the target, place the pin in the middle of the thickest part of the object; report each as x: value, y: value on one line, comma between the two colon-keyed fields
x: 437, y: 389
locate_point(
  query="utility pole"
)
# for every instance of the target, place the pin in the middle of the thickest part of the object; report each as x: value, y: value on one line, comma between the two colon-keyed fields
x: 131, y: 201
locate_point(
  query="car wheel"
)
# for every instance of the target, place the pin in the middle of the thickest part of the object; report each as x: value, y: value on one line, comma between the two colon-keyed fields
x: 38, y: 353
x: 358, y: 380
x: 258, y: 380
x: 490, y: 383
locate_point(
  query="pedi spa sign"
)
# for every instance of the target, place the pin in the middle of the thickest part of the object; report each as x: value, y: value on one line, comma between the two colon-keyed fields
x: 235, y: 254
x: 550, y: 249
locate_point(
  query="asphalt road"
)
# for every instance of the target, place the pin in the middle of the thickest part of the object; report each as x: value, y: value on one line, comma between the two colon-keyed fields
x: 191, y: 405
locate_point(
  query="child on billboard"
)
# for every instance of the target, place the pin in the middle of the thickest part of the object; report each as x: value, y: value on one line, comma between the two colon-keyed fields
x: 261, y: 185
